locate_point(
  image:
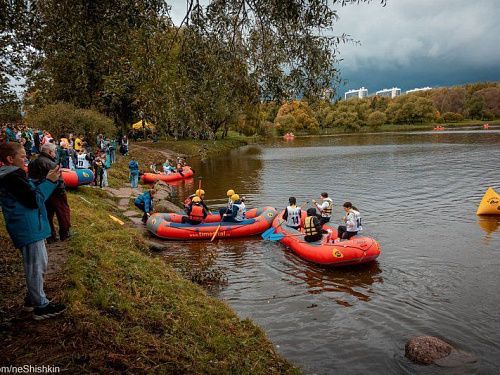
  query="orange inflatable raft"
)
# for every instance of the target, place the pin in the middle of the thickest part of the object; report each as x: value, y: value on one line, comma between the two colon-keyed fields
x: 170, y: 227
x: 149, y: 178
x: 289, y: 136
x: 357, y: 250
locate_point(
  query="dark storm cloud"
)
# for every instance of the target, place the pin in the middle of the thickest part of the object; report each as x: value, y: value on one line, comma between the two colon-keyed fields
x: 414, y: 43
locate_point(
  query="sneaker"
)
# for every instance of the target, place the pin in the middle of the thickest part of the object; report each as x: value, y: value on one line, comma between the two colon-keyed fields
x: 49, y: 311
x: 28, y: 307
x: 51, y: 239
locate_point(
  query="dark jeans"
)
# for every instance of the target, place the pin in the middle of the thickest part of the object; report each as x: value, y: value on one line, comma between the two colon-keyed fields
x: 186, y: 220
x: 313, y: 238
x: 58, y: 204
x: 223, y: 211
x: 324, y: 220
x: 344, y: 234
x: 141, y: 206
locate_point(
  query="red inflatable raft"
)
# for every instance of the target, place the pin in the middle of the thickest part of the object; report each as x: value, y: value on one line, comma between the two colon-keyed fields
x: 169, y: 226
x: 77, y: 177
x: 153, y: 177
x: 357, y: 250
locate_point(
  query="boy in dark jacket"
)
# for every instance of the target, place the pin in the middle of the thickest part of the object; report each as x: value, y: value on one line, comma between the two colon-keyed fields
x: 23, y: 207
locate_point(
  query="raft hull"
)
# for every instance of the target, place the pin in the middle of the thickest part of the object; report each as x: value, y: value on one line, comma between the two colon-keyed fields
x: 150, y: 178
x: 357, y: 250
x: 169, y: 226
x: 490, y: 204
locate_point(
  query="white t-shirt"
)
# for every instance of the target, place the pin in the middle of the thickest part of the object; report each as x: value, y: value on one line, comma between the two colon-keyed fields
x: 83, y: 162
x: 293, y: 218
x: 353, y: 221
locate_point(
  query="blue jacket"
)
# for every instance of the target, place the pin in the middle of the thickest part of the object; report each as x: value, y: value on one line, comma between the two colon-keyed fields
x: 133, y: 167
x: 146, y: 199
x: 25, y: 218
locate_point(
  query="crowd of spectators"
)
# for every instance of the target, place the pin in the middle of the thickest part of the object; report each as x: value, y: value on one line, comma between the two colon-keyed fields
x: 32, y: 192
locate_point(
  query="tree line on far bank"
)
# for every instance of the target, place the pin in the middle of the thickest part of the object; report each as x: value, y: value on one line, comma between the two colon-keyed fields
x: 477, y: 101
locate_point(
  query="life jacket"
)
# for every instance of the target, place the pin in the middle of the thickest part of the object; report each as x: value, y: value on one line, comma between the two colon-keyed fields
x: 229, y: 205
x: 240, y: 211
x: 327, y: 212
x: 353, y: 222
x: 309, y: 226
x: 293, y: 218
x: 196, y: 213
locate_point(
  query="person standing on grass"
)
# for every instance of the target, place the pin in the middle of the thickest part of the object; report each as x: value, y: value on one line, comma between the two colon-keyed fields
x: 133, y: 167
x: 23, y: 208
x: 57, y: 204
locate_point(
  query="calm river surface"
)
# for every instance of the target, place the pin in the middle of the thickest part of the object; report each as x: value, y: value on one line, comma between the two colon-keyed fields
x: 438, y: 274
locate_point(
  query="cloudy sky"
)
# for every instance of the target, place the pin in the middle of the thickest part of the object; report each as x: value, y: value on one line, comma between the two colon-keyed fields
x: 416, y: 43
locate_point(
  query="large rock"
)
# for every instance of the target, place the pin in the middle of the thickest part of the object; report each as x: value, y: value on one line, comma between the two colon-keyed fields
x: 163, y: 191
x: 426, y: 349
x: 162, y: 201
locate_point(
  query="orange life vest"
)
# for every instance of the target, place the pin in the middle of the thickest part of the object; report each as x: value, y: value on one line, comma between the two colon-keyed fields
x: 196, y: 213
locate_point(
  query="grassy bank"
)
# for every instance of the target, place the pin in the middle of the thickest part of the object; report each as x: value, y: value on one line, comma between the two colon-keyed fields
x: 128, y: 312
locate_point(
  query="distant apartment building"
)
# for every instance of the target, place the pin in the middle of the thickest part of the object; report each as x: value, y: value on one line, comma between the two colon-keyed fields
x: 359, y: 93
x: 418, y: 89
x: 389, y: 93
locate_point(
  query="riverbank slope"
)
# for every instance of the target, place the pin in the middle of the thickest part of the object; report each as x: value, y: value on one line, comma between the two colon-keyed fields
x: 128, y: 312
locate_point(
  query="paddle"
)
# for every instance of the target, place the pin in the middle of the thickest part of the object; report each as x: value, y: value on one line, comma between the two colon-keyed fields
x: 218, y: 227
x: 270, y: 231
x: 279, y: 236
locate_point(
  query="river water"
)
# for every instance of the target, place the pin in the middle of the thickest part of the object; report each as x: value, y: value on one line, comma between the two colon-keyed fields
x: 438, y: 273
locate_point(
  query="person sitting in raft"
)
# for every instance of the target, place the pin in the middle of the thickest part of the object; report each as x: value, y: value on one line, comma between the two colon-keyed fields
x: 180, y: 167
x: 152, y: 167
x: 196, y: 212
x: 292, y: 214
x: 312, y: 227
x: 228, y: 209
x: 352, y: 222
x: 168, y: 168
x: 238, y: 210
x: 325, y: 208
x: 144, y: 202
x: 198, y: 193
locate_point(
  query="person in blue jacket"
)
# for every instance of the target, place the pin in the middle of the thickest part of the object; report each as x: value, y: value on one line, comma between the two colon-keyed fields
x: 23, y: 208
x: 144, y: 202
x: 133, y: 167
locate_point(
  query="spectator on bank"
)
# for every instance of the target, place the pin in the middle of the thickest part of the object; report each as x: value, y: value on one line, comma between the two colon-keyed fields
x: 124, y: 146
x: 57, y: 204
x: 133, y: 167
x: 10, y: 133
x: 112, y: 150
x: 26, y: 221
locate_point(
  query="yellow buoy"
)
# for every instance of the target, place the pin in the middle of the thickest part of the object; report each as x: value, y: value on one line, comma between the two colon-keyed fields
x: 490, y: 204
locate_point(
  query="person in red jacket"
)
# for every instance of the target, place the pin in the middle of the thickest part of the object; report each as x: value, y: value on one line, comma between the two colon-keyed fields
x: 196, y: 212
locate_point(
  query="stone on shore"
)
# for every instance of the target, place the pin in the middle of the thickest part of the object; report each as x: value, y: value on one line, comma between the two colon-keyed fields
x: 426, y: 349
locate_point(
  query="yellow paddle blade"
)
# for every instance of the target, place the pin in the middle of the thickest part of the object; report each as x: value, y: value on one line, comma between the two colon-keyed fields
x: 116, y: 219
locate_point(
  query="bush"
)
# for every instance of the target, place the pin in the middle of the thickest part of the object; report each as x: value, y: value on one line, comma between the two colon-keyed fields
x: 376, y: 119
x: 302, y: 114
x: 265, y: 129
x: 452, y: 117
x: 63, y: 118
x: 285, y: 124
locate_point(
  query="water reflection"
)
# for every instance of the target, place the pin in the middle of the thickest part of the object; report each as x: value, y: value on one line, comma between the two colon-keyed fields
x: 355, y: 280
x: 489, y: 224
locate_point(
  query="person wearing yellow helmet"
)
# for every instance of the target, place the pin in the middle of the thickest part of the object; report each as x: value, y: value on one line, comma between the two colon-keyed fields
x: 227, y: 211
x: 238, y: 210
x: 200, y: 193
x: 196, y: 212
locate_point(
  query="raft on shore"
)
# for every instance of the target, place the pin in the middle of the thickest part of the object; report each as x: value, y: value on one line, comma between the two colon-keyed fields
x: 77, y: 177
x: 169, y: 226
x: 357, y: 250
x: 150, y: 178
x: 490, y: 204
